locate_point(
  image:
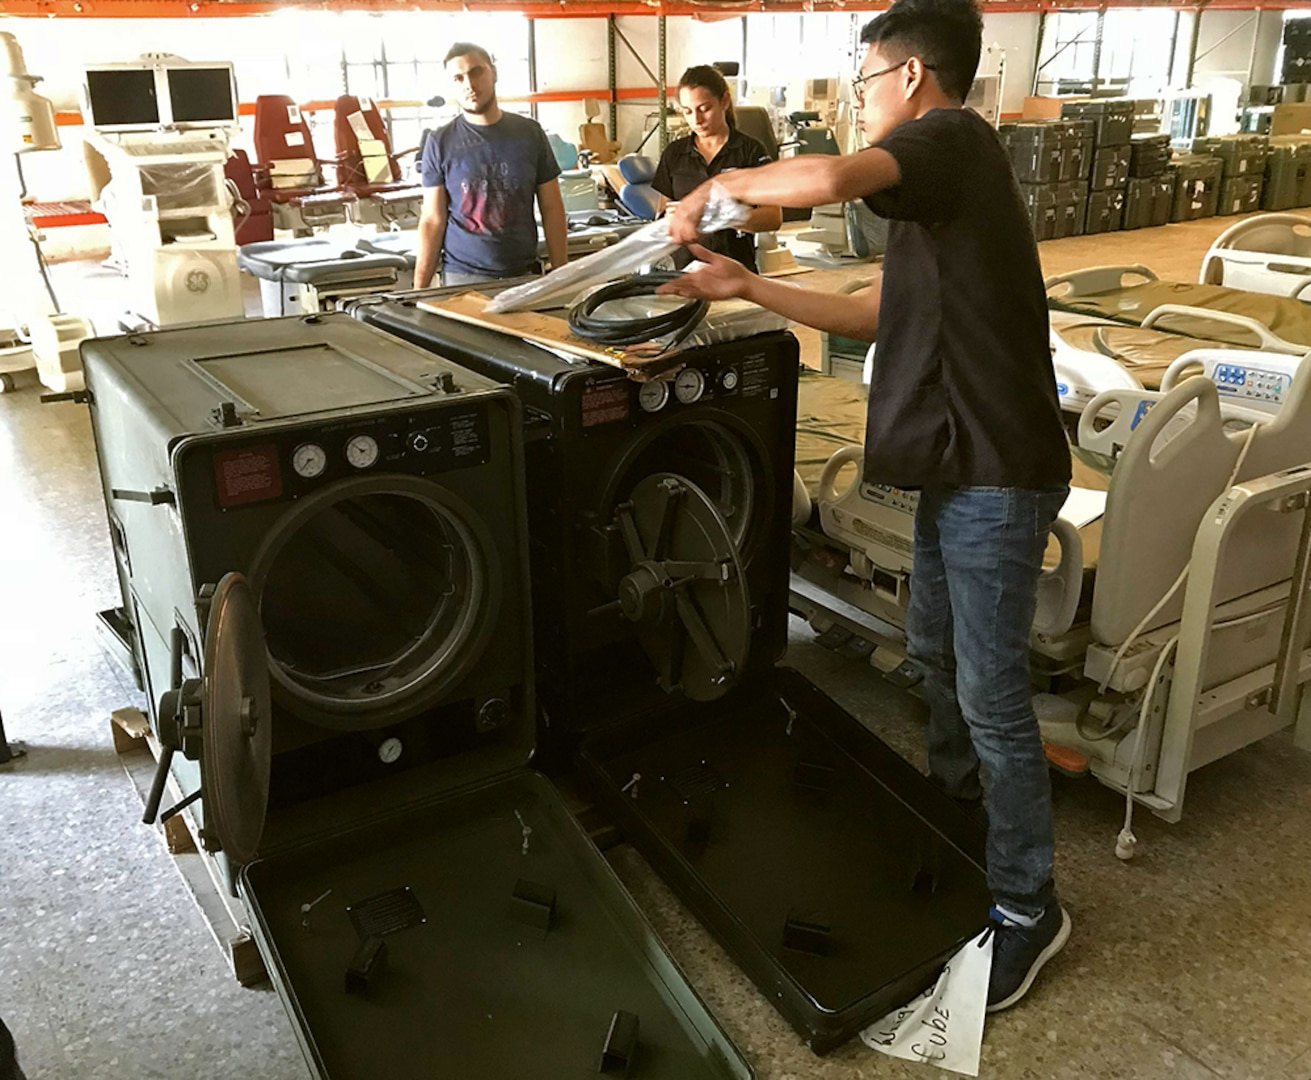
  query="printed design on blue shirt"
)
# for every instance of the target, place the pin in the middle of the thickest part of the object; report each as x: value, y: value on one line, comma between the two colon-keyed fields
x: 492, y: 198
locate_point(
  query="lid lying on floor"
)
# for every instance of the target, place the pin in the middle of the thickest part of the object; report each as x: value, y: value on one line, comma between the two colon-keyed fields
x: 834, y: 873
x: 480, y: 936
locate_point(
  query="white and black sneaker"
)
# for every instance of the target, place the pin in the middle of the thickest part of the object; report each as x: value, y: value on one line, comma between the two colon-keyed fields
x: 1019, y: 952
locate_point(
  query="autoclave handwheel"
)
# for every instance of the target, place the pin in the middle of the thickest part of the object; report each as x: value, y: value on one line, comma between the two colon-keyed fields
x: 685, y: 593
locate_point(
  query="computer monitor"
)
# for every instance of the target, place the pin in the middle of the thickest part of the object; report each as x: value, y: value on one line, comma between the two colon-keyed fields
x: 161, y: 93
x: 122, y: 99
x: 821, y: 89
x: 201, y: 95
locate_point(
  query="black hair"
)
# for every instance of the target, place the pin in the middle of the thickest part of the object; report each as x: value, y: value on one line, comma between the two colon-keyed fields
x: 946, y: 34
x: 705, y: 77
x: 467, y: 48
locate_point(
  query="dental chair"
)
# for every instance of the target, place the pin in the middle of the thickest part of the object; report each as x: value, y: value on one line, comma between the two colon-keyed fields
x: 592, y: 135
x: 252, y: 211
x: 1269, y: 253
x: 578, y: 188
x: 637, y: 196
x: 368, y: 169
x: 302, y: 201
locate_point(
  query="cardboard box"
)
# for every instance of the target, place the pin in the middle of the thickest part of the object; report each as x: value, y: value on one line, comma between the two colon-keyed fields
x: 1045, y: 108
x: 1291, y: 118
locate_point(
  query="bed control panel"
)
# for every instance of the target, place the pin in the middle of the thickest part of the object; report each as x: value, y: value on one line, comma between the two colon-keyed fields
x: 1265, y: 385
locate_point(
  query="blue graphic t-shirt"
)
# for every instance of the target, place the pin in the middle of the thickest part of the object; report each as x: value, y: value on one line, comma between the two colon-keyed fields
x: 491, y: 174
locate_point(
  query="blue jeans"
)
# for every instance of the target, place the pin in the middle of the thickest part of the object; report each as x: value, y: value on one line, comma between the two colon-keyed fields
x: 978, y: 554
x: 459, y: 277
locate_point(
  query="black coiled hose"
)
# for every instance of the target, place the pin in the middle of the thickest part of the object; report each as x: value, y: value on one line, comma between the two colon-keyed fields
x: 680, y: 322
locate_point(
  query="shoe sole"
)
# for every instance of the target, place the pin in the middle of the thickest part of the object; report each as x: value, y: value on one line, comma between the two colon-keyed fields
x: 1057, y: 944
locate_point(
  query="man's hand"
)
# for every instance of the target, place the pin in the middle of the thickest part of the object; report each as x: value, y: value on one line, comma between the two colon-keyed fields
x: 685, y: 221
x: 721, y: 278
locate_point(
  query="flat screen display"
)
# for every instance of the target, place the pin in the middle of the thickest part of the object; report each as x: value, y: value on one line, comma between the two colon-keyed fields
x: 201, y: 95
x: 123, y: 98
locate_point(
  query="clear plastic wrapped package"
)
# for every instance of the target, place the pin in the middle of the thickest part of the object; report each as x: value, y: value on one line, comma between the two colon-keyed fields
x: 561, y: 287
x: 184, y: 185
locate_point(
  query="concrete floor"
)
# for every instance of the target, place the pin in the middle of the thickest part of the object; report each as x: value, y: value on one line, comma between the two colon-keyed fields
x: 1194, y: 961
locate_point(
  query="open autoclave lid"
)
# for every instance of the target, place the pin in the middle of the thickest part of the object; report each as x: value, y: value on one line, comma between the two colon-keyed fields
x: 477, y: 933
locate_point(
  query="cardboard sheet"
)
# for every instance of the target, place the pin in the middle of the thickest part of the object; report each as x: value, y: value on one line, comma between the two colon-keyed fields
x: 640, y: 361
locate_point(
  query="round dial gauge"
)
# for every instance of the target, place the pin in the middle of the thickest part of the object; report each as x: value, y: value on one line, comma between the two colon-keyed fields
x: 389, y: 750
x: 689, y: 386
x: 653, y: 395
x: 309, y: 460
x: 362, y: 451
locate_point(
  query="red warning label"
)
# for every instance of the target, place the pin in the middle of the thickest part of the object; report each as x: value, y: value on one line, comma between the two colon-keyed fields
x: 605, y: 404
x: 249, y: 475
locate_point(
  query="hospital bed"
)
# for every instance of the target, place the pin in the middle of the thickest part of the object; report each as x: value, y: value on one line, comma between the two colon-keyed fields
x: 1148, y: 673
x: 1269, y: 253
x: 1121, y: 327
x: 1220, y: 314
x: 1093, y: 352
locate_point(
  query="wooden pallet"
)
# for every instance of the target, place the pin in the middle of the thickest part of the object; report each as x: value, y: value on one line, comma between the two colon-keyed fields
x: 224, y: 915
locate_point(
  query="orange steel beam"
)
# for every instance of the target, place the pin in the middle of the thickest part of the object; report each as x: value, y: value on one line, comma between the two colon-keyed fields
x: 566, y: 9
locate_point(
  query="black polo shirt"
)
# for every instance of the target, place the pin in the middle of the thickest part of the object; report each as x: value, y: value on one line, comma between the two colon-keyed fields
x: 963, y: 391
x: 682, y: 169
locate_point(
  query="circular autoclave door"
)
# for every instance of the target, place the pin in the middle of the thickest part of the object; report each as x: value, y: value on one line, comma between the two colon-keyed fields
x: 376, y: 595
x: 722, y: 457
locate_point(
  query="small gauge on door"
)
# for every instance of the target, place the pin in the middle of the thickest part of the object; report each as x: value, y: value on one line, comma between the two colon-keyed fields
x: 309, y: 460
x: 362, y: 451
x: 654, y: 395
x: 689, y: 386
x: 389, y: 751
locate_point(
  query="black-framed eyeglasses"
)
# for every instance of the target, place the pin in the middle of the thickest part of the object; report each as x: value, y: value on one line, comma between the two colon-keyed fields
x: 858, y: 81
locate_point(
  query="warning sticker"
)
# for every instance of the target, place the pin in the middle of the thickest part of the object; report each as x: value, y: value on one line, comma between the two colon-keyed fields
x: 249, y: 475
x: 605, y: 404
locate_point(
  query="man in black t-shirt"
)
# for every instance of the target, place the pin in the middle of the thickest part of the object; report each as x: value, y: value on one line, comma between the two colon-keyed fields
x: 962, y: 406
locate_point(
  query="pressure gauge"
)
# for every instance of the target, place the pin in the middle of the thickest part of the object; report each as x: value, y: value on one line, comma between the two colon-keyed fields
x: 309, y: 460
x: 389, y: 751
x: 653, y: 395
x: 362, y: 451
x: 689, y: 386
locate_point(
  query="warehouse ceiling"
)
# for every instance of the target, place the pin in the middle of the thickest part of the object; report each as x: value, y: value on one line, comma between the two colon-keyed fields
x: 560, y: 8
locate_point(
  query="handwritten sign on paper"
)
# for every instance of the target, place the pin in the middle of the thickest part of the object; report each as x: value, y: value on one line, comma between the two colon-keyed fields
x: 944, y: 1025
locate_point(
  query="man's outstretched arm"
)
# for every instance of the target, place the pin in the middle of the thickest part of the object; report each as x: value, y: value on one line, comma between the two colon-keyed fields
x: 854, y: 315
x: 801, y: 181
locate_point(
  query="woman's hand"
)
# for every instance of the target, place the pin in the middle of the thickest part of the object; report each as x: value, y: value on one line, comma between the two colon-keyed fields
x: 721, y: 278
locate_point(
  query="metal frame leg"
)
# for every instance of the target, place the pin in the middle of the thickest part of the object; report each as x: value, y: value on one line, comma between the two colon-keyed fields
x: 9, y: 752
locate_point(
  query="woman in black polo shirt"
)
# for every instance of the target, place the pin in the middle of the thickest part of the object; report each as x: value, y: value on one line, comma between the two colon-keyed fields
x: 715, y: 146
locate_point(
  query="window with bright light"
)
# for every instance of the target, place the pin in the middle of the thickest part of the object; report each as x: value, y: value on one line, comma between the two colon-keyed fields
x: 1123, y: 51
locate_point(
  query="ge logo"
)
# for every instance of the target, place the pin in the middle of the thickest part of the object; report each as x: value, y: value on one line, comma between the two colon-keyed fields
x: 197, y: 281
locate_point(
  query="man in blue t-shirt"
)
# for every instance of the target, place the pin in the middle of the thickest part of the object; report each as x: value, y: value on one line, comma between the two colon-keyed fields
x: 480, y: 175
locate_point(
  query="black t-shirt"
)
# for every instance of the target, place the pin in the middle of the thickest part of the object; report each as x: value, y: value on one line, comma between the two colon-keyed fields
x: 963, y: 390
x: 681, y: 169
